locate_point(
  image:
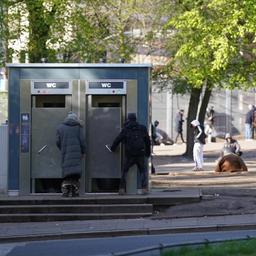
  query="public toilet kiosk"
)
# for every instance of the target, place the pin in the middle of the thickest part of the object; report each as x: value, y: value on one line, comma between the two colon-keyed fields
x: 40, y: 97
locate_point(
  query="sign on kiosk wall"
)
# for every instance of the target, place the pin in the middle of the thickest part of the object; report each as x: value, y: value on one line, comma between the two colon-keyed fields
x: 25, y: 132
x: 111, y: 87
x: 50, y: 87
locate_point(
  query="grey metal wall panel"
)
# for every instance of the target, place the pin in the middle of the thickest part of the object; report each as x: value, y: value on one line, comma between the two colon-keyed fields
x: 3, y: 158
x: 104, y: 125
x: 14, y: 129
x: 25, y: 158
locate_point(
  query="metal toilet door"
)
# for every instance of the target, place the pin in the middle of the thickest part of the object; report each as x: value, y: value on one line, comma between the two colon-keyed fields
x: 104, y: 124
x: 46, y: 157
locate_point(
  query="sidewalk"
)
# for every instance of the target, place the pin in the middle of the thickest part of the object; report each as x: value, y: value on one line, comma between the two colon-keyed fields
x: 17, y: 232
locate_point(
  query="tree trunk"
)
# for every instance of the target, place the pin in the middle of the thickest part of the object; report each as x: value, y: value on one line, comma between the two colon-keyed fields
x: 192, y: 112
x: 204, y: 104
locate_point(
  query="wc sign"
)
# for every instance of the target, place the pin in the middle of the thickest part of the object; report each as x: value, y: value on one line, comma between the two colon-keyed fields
x: 106, y: 85
x: 51, y: 87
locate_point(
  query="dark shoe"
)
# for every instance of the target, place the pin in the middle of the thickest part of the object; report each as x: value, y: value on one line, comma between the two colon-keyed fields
x: 66, y: 190
x: 75, y: 191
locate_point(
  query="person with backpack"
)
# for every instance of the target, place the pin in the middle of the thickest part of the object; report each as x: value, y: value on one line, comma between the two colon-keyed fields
x: 136, y: 140
x: 199, y: 141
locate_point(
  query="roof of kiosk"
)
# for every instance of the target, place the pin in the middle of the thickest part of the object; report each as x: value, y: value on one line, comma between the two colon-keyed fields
x: 77, y: 65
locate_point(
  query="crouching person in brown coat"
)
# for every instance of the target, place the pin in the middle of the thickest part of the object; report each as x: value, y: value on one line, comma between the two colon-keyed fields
x: 231, y: 163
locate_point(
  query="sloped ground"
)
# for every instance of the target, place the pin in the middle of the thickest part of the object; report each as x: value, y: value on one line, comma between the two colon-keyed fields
x: 223, y: 194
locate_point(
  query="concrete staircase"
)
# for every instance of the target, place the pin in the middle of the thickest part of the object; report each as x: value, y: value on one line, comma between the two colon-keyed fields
x: 29, y: 210
x: 38, y: 208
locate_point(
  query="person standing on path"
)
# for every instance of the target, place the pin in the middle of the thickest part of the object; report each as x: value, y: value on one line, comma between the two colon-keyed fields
x: 71, y: 142
x: 248, y: 122
x: 179, y: 125
x: 199, y: 141
x: 137, y: 146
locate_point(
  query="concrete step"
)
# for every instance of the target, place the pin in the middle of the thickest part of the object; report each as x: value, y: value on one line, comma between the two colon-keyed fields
x: 76, y: 208
x: 170, y: 197
x: 73, y: 201
x: 40, y: 217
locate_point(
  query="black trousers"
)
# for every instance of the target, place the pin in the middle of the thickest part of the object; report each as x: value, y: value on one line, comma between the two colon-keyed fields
x: 181, y: 136
x: 139, y: 161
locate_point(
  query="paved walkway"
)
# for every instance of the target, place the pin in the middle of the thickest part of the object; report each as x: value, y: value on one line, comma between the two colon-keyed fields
x: 14, y: 232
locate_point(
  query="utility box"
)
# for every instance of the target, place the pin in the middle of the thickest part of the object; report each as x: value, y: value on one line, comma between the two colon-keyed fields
x: 40, y: 97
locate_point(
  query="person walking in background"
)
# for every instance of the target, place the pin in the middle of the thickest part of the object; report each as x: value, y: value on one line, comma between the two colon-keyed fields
x: 153, y: 142
x: 253, y: 121
x: 199, y: 141
x: 210, y: 115
x: 71, y: 142
x: 179, y: 125
x: 137, y: 146
x: 210, y: 118
x: 248, y: 122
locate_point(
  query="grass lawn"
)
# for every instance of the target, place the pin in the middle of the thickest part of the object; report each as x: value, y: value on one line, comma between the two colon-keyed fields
x: 233, y: 248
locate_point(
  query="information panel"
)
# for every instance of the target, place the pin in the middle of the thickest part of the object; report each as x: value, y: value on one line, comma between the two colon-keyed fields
x: 24, y: 132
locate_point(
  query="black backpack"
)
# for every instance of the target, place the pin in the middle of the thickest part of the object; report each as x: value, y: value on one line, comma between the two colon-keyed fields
x: 135, y: 145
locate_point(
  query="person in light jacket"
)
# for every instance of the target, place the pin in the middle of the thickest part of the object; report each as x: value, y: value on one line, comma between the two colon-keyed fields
x: 199, y: 141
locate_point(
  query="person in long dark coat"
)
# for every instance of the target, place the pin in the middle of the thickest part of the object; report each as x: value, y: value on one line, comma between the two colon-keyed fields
x: 71, y: 142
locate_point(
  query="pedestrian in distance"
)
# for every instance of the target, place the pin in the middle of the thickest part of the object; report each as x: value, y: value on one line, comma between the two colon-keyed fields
x: 179, y: 125
x: 71, y: 142
x: 199, y: 141
x: 254, y: 122
x: 231, y: 146
x: 249, y: 122
x: 156, y: 136
x: 153, y: 142
x: 209, y: 127
x: 136, y: 140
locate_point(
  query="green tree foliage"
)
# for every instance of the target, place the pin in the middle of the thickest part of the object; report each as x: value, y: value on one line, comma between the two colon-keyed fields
x: 74, y: 30
x: 213, y: 44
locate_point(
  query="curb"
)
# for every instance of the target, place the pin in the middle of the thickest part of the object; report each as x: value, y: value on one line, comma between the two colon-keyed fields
x: 131, y: 232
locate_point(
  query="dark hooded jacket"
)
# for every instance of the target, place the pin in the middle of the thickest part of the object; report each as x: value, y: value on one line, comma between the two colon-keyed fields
x: 122, y: 137
x: 70, y: 141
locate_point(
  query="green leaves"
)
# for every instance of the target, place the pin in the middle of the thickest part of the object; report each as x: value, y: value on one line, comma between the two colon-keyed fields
x: 216, y: 41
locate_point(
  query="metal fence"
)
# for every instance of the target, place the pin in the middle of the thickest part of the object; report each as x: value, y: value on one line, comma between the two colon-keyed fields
x: 3, y: 158
x: 230, y: 109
